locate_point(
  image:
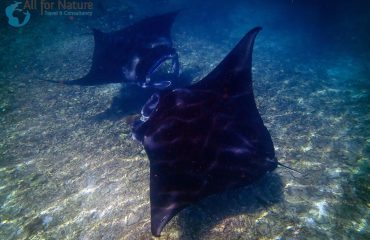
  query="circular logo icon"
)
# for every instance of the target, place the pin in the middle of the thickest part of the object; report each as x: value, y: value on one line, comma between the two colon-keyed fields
x: 17, y: 17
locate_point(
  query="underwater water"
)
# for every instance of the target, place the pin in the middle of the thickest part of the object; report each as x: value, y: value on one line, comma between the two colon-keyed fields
x: 67, y: 174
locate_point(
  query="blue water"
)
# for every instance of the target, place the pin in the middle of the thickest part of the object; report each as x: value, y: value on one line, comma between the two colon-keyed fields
x: 66, y: 175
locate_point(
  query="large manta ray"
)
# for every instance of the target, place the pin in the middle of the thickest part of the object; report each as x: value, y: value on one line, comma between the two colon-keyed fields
x: 134, y: 54
x: 206, y: 138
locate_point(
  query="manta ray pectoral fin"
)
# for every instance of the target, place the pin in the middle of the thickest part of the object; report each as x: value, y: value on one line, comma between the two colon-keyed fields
x: 234, y: 73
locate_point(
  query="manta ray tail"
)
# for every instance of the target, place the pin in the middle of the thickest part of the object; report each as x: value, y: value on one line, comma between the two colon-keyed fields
x: 80, y: 82
x: 292, y: 169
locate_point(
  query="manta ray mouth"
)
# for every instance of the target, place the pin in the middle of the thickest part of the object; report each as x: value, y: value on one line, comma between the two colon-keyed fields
x: 162, y: 72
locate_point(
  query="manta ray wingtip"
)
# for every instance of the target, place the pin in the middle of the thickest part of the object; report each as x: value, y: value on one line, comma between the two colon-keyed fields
x: 160, y: 217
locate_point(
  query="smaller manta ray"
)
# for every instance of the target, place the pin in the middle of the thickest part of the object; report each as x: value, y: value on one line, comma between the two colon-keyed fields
x: 141, y: 54
x: 205, y: 138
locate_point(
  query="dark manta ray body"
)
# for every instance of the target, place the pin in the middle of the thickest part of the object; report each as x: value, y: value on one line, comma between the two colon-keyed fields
x: 133, y: 54
x: 205, y: 138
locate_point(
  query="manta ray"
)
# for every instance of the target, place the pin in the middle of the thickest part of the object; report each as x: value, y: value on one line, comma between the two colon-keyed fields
x: 141, y: 54
x: 205, y: 138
